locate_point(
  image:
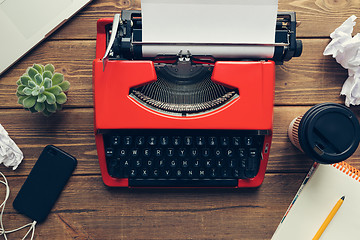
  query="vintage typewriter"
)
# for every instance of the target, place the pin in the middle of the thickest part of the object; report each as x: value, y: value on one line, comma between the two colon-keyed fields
x: 183, y: 120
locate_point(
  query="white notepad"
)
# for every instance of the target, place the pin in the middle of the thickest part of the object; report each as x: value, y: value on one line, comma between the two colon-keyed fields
x: 321, y: 189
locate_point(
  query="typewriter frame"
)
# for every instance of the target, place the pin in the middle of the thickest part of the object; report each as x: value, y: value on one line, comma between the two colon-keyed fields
x: 253, y: 110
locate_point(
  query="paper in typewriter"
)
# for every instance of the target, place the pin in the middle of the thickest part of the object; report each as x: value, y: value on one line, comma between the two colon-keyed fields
x: 209, y: 21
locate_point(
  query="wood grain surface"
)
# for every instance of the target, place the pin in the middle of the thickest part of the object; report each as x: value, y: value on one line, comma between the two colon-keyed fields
x: 87, y: 209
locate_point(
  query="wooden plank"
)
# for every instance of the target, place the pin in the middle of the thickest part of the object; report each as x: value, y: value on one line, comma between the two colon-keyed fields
x: 318, y: 18
x: 307, y: 80
x: 89, y: 210
x: 72, y: 130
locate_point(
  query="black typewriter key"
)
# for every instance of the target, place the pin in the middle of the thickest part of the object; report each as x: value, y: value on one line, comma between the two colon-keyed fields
x: 134, y: 152
x: 155, y: 172
x: 213, y: 172
x: 122, y: 152
x: 115, y: 140
x: 182, y: 152
x: 209, y: 163
x: 158, y: 152
x: 188, y: 141
x: 190, y: 173
x: 205, y: 152
x: 152, y: 141
x: 133, y: 172
x: 242, y: 153
x: 248, y: 141
x: 196, y: 163
x: 140, y: 141
x: 236, y: 173
x: 220, y: 163
x: 144, y: 172
x: 236, y: 141
x: 109, y: 152
x: 185, y: 163
x: 212, y: 141
x: 138, y: 163
x: 225, y: 173
x: 149, y: 163
x: 194, y: 152
x: 229, y: 152
x: 217, y: 152
x: 146, y: 152
x: 125, y: 163
x: 201, y: 173
x: 164, y: 141
x: 232, y: 163
x: 176, y: 141
x: 127, y: 140
x: 224, y: 141
x: 178, y: 173
x: 161, y: 163
x: 167, y: 173
x: 170, y: 152
x: 173, y: 163
x: 200, y: 141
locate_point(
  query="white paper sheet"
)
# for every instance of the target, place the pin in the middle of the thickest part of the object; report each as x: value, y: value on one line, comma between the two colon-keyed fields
x: 209, y: 21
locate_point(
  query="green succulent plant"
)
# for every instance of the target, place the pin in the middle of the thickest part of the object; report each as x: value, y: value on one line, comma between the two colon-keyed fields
x: 40, y: 89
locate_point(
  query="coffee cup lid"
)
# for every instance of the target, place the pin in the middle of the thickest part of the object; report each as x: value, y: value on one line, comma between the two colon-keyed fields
x: 329, y: 133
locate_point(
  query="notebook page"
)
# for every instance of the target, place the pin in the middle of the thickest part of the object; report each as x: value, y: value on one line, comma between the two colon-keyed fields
x: 325, y: 187
x: 209, y: 21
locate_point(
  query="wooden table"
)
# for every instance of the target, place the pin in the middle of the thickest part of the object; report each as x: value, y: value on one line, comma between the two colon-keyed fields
x: 87, y: 209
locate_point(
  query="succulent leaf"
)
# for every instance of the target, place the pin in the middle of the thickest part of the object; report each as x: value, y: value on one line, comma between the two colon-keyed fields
x: 27, y: 91
x: 54, y: 90
x: 42, y: 89
x: 49, y: 67
x: 61, y: 98
x: 21, y: 99
x: 39, y: 106
x: 47, y: 74
x: 20, y: 90
x: 38, y: 68
x: 51, y: 107
x: 46, y: 112
x: 41, y: 98
x: 50, y: 98
x: 38, y: 79
x: 58, y: 107
x: 57, y: 78
x: 25, y: 80
x: 65, y: 85
x: 29, y: 102
x: 47, y: 83
x: 18, y: 82
x: 32, y: 72
x: 32, y: 84
x: 35, y: 92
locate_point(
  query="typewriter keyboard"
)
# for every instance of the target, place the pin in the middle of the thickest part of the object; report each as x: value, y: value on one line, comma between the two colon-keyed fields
x: 183, y: 158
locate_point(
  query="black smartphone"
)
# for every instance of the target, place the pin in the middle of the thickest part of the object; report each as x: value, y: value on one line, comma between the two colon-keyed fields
x: 44, y: 184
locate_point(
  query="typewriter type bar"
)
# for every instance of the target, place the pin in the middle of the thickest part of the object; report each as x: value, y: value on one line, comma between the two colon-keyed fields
x: 183, y: 120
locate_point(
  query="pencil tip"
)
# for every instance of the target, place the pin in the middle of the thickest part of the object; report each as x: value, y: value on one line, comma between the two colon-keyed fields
x: 343, y: 197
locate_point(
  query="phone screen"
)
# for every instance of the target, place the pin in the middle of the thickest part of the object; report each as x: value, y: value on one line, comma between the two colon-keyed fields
x: 45, y: 182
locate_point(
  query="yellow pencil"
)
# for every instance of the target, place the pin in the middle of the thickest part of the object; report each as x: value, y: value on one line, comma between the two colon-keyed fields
x: 329, y: 218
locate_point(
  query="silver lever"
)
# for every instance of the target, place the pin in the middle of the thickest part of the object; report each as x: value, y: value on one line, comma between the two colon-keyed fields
x: 115, y: 26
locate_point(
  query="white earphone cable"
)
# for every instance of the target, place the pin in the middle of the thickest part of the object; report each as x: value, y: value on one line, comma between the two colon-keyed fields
x: 2, y: 206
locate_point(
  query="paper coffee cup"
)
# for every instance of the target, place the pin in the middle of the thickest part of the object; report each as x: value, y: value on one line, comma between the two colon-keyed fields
x: 328, y: 133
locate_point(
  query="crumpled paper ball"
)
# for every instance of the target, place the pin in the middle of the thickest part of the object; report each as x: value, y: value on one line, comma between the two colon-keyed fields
x: 346, y: 50
x: 10, y: 153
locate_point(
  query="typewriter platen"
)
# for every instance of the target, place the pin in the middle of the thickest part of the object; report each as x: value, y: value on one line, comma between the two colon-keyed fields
x: 183, y: 120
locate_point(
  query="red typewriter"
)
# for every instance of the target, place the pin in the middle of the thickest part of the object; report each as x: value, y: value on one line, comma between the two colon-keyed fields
x: 182, y: 120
